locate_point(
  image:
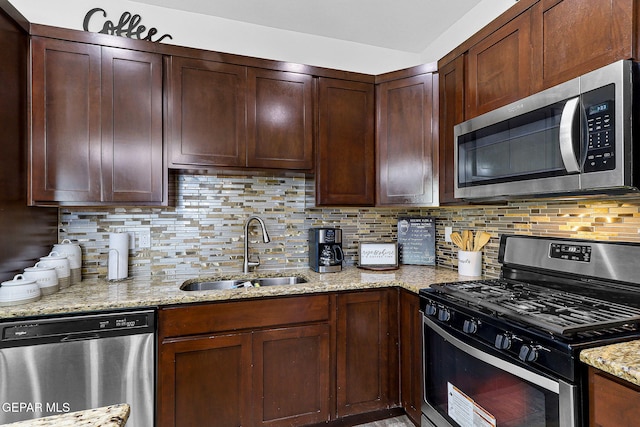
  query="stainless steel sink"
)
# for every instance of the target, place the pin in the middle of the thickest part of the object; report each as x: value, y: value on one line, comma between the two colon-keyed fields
x: 212, y: 285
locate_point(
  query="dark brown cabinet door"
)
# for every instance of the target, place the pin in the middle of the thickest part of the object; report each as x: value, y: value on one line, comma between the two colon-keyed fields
x: 132, y: 151
x: 65, y: 116
x: 206, y: 113
x: 205, y: 381
x: 499, y: 67
x: 96, y: 125
x: 410, y: 323
x: 572, y: 37
x: 279, y: 120
x: 345, y: 163
x: 406, y: 146
x: 291, y: 376
x: 363, y: 371
x: 612, y: 402
x: 451, y: 105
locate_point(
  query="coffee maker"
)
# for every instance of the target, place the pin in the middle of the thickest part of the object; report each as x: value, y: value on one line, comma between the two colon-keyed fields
x: 325, y: 249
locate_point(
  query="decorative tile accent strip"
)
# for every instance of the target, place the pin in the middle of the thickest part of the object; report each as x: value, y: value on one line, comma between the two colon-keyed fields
x: 202, y: 232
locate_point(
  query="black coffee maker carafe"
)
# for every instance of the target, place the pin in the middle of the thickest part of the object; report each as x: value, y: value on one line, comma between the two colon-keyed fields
x: 325, y: 249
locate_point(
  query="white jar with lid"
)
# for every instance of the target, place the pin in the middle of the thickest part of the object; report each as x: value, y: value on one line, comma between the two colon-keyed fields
x: 74, y: 255
x: 45, y: 277
x: 61, y: 265
x: 19, y: 291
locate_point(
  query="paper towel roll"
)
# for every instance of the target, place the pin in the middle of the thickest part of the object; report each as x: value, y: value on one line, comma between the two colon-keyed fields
x: 118, y: 256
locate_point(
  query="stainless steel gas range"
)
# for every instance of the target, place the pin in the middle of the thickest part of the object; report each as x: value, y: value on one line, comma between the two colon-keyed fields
x: 505, y: 351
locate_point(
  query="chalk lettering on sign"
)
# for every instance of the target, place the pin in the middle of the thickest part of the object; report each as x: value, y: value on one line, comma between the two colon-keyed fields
x: 128, y: 26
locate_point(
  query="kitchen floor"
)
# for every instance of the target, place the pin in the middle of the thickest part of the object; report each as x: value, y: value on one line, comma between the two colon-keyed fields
x: 402, y: 421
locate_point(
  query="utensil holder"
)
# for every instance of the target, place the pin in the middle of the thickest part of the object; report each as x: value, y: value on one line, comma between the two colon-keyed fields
x: 470, y: 263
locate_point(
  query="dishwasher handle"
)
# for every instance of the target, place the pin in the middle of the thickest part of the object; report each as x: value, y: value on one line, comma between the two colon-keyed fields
x: 80, y: 337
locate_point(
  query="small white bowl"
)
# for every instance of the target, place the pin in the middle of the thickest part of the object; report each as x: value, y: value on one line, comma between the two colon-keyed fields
x: 19, y: 291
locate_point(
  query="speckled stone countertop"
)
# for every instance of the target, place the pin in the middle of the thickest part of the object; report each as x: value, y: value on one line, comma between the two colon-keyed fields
x: 108, y: 416
x: 621, y: 360
x: 98, y: 294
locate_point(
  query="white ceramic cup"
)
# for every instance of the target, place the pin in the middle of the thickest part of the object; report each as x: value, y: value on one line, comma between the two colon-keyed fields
x: 61, y: 264
x: 470, y: 263
x: 45, y: 277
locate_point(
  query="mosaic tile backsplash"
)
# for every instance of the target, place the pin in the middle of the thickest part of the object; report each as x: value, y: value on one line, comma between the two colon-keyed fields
x: 202, y: 231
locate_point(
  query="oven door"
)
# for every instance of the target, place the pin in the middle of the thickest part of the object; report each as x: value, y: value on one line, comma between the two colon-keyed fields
x: 465, y: 386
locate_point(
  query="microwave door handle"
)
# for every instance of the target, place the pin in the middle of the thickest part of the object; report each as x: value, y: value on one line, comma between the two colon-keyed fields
x: 567, y: 150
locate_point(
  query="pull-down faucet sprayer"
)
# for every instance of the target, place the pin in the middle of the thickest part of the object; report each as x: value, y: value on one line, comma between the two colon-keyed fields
x: 265, y: 238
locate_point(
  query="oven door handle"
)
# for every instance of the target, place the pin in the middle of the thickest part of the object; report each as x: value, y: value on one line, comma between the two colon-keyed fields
x: 516, y: 370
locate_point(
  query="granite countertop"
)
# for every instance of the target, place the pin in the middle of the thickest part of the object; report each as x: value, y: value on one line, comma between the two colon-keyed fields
x: 108, y: 416
x: 99, y: 294
x: 621, y: 360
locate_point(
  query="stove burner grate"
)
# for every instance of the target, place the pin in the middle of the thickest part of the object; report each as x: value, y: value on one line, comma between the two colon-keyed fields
x: 558, y: 312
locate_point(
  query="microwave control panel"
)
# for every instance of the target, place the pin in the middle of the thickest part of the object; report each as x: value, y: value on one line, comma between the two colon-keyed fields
x: 600, y: 155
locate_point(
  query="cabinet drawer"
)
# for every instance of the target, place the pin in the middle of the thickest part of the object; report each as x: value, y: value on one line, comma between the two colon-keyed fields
x: 238, y: 315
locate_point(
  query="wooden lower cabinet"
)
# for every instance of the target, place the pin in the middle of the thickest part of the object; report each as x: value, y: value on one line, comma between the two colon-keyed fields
x: 205, y: 378
x: 288, y: 361
x: 365, y: 379
x: 410, y: 332
x: 612, y: 402
x: 291, y: 376
x: 247, y: 363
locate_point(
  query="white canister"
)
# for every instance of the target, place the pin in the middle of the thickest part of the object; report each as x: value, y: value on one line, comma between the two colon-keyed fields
x: 470, y: 263
x: 19, y: 291
x: 45, y: 277
x: 61, y: 264
x: 74, y: 255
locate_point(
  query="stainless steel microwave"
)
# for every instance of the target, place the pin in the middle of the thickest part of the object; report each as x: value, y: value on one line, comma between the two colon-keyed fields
x: 571, y: 139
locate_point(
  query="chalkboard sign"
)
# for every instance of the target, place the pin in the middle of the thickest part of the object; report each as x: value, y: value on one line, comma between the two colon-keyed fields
x: 417, y: 240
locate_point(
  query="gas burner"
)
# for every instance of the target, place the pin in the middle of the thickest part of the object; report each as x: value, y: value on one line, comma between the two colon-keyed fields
x: 557, y: 312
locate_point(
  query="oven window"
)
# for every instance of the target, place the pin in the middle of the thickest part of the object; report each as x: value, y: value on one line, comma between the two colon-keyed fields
x: 469, y: 392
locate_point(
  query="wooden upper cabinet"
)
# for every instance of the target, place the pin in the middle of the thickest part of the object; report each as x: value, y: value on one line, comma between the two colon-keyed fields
x: 235, y: 116
x: 406, y: 146
x: 451, y: 112
x: 345, y: 163
x: 96, y: 117
x: 206, y: 113
x: 499, y: 67
x: 572, y: 37
x: 132, y: 152
x: 279, y: 120
x: 65, y: 120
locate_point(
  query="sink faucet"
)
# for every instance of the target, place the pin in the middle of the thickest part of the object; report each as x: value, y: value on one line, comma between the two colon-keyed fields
x: 265, y: 238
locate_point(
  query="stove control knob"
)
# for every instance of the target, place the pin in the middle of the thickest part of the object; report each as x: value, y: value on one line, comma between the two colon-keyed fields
x: 503, y: 342
x: 444, y: 315
x: 528, y: 353
x: 470, y: 327
x: 430, y: 309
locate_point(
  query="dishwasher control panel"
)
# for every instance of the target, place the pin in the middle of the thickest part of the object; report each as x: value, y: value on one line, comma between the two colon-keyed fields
x: 78, y: 327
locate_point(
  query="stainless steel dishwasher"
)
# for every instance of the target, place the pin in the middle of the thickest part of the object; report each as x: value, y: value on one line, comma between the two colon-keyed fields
x: 56, y: 365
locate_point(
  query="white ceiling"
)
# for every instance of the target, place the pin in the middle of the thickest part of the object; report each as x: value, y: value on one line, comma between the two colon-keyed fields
x: 404, y: 25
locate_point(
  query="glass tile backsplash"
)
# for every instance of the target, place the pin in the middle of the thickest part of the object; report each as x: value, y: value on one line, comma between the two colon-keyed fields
x: 202, y: 231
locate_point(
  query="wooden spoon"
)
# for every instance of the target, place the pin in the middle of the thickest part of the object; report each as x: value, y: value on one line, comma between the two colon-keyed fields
x: 482, y: 238
x: 457, y: 240
x: 466, y: 245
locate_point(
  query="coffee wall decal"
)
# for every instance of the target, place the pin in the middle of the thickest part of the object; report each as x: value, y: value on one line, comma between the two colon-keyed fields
x: 128, y: 26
